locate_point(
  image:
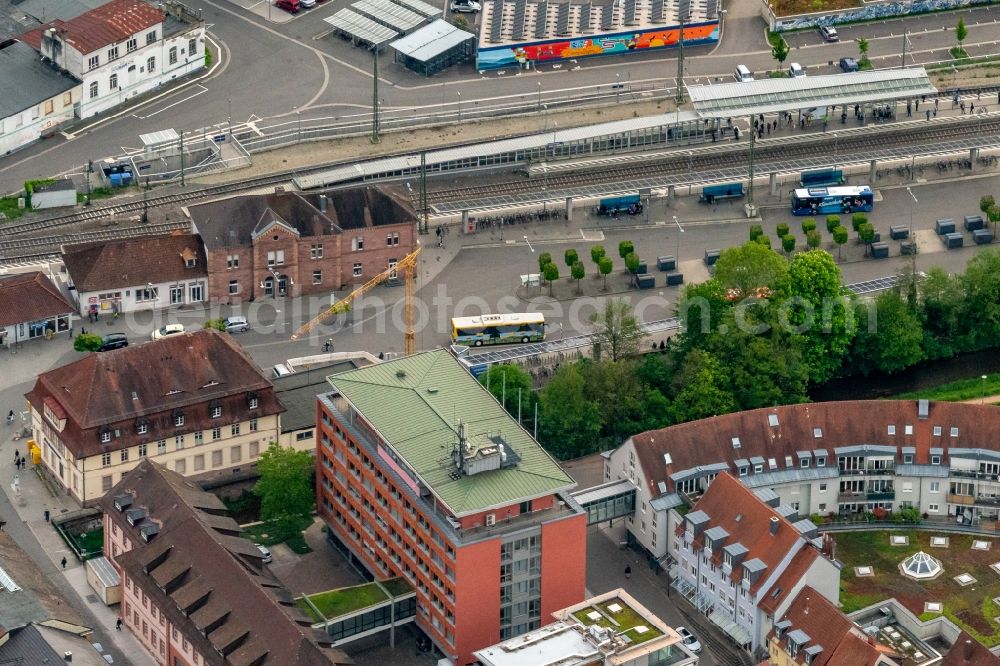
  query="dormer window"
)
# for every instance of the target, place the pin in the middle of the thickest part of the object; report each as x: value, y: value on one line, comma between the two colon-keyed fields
x: 253, y: 401
x: 817, y: 432
x: 892, y: 430
x: 215, y: 410
x: 141, y: 427
x: 105, y: 435
x: 954, y: 431
x: 178, y: 419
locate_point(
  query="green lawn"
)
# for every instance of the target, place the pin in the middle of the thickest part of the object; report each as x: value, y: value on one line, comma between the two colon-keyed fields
x: 8, y: 207
x: 626, y: 618
x: 271, y: 534
x: 969, y: 607
x: 962, y: 389
x: 397, y: 586
x: 334, y: 603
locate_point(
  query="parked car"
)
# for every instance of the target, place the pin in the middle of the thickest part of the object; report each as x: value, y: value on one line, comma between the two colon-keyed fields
x: 829, y: 33
x: 470, y: 6
x: 265, y: 552
x: 848, y: 65
x: 307, y: 4
x: 795, y: 70
x: 236, y: 324
x: 290, y: 6
x: 113, y: 341
x: 743, y: 73
x: 169, y: 329
x: 689, y: 640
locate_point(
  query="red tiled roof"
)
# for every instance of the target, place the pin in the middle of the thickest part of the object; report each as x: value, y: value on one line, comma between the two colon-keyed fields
x: 782, y: 587
x: 827, y: 627
x: 30, y: 297
x: 111, y: 23
x: 735, y: 508
x: 846, y: 423
x: 134, y: 261
x: 967, y: 651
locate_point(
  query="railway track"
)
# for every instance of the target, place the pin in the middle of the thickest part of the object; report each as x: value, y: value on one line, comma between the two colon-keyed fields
x: 42, y: 246
x: 678, y: 163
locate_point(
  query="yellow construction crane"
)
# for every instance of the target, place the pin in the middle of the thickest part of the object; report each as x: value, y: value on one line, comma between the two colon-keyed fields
x: 405, y: 267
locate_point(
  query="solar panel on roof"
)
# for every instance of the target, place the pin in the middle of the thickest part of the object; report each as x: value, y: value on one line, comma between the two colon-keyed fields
x: 684, y: 9
x: 496, y: 21
x: 607, y: 17
x: 520, y: 7
x: 562, y: 19
x: 630, y: 12
x: 712, y: 9
x: 420, y: 7
x: 541, y: 16
x: 658, y: 13
x: 586, y: 17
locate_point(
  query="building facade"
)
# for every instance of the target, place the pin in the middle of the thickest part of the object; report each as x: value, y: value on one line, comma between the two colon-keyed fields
x: 206, y: 412
x: 122, y: 49
x: 297, y: 244
x: 32, y: 307
x: 422, y: 474
x: 36, y: 98
x: 136, y: 274
x: 194, y: 592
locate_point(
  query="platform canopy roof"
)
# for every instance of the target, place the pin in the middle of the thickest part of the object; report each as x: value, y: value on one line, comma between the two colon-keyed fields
x: 361, y: 27
x: 431, y: 40
x: 806, y: 92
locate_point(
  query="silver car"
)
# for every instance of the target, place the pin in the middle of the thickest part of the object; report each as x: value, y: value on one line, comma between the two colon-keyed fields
x: 236, y: 324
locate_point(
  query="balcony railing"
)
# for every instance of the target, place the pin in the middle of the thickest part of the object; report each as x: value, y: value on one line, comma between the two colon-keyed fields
x: 960, y: 499
x: 851, y: 497
x: 882, y: 495
x: 988, y: 500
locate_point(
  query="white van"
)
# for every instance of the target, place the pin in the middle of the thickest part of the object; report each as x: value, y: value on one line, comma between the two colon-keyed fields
x: 743, y: 74
x: 796, y: 71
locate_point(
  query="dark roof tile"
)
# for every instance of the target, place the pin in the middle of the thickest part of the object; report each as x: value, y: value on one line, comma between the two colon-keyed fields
x: 30, y: 297
x: 134, y: 261
x: 111, y: 23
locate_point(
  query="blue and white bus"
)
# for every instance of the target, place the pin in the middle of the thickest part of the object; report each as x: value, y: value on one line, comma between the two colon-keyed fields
x: 833, y: 200
x: 497, y: 329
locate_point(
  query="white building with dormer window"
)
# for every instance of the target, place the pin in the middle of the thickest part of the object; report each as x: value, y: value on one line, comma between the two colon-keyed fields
x: 122, y: 49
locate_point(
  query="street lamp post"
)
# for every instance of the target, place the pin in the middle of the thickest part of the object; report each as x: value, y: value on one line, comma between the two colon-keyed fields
x: 538, y: 104
x: 459, y: 106
x: 677, y: 252
x: 914, y: 198
x: 982, y: 400
x: 618, y: 87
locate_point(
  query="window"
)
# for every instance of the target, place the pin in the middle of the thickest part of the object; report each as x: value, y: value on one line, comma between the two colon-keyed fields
x: 743, y: 471
x: 892, y: 430
x: 216, y: 412
x: 146, y: 294
x: 937, y: 431
x: 151, y: 64
x: 234, y: 429
x: 179, y: 442
x: 113, y: 53
x: 161, y: 447
x: 822, y: 487
x: 142, y: 428
x: 804, y: 463
x: 199, y: 462
x: 106, y: 483
x: 935, y: 486
x: 124, y: 455
x: 820, y: 462
x: 192, y: 47
x: 151, y: 37
x: 234, y: 286
x: 907, y: 458
x: 130, y: 45
x: 172, y: 56
x: 94, y: 62
x: 317, y: 277
x: 178, y: 420
x: 935, y: 460
x: 199, y: 438
x: 276, y: 258
x: 93, y: 90
x: 142, y: 450
x: 954, y: 431
x: 392, y: 240
x: 254, y: 449
x: 316, y: 251
x: 253, y: 401
x: 49, y: 107
x: 357, y: 270
x: 67, y: 99
x: 216, y: 458
x: 907, y: 486
x: 180, y: 466
x: 822, y: 507
x: 106, y: 459
x: 216, y: 433
x: 233, y: 261
x: 253, y: 425
x: 307, y: 434
x: 357, y: 243
x: 932, y: 508
x: 758, y: 468
x: 235, y: 454
x: 105, y: 436
x: 908, y: 429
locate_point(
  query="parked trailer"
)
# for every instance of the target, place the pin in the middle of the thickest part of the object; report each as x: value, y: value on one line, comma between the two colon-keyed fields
x: 631, y: 204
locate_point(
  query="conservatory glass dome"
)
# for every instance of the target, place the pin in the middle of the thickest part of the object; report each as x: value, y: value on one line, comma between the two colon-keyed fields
x: 920, y: 566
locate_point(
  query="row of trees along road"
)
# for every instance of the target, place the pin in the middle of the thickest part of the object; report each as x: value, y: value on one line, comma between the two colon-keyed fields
x: 760, y: 332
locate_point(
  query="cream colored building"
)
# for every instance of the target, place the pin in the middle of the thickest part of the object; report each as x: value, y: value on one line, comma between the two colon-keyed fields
x: 195, y: 403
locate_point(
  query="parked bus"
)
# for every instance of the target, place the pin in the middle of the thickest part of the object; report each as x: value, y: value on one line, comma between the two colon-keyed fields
x: 498, y: 329
x: 833, y: 200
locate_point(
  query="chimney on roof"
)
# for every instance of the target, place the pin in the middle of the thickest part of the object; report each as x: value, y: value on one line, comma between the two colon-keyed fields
x: 967, y: 650
x: 774, y: 525
x: 279, y: 190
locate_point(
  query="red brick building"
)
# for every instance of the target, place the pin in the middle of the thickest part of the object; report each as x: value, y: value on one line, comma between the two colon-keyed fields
x: 422, y: 474
x: 296, y: 244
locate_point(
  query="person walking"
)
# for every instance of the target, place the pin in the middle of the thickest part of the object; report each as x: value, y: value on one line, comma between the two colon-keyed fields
x: 118, y: 624
x: 628, y: 571
x: 63, y: 562
x: 972, y: 107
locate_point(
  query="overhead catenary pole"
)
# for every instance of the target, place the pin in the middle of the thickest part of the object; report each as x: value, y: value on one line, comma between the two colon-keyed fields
x: 423, y: 192
x: 182, y: 159
x: 753, y: 138
x: 680, y: 63
x: 906, y: 40
x: 375, y: 111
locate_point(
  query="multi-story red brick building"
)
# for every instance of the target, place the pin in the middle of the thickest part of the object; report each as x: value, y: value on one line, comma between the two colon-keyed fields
x: 296, y: 244
x: 422, y: 474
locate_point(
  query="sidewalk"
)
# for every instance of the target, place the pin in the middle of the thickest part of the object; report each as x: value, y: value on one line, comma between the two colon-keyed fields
x: 30, y: 503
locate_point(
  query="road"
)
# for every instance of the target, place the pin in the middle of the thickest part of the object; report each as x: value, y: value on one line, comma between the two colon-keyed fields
x: 272, y: 72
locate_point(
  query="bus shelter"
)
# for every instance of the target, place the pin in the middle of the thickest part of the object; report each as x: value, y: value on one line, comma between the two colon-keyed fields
x: 434, y: 47
x: 818, y: 96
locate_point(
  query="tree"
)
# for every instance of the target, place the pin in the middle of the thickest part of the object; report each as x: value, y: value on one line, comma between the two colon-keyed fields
x: 616, y: 329
x: 578, y: 272
x: 779, y: 50
x: 745, y: 270
x: 863, y: 49
x: 993, y: 214
x: 285, y: 486
x: 890, y: 343
x: 808, y: 224
x: 217, y: 324
x: 571, y: 257
x: 840, y: 238
x: 942, y: 301
x: 832, y: 222
x: 632, y: 262
x: 87, y: 342
x: 569, y: 422
x: 866, y: 234
x: 551, y: 273
x: 961, y: 32
x: 756, y: 231
x: 701, y: 390
x: 764, y: 240
x: 986, y: 203
x: 625, y: 248
x: 788, y: 243
x: 605, y: 267
x: 782, y: 230
x: 543, y: 260
x: 819, y: 313
x: 980, y: 314
x: 813, y: 239
x: 510, y: 384
x: 857, y: 220
x: 702, y: 308
x: 596, y: 254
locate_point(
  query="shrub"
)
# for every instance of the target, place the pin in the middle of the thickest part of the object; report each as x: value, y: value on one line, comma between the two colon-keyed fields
x: 756, y: 231
x: 87, y: 342
x: 217, y: 324
x: 832, y: 222
x: 782, y: 230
